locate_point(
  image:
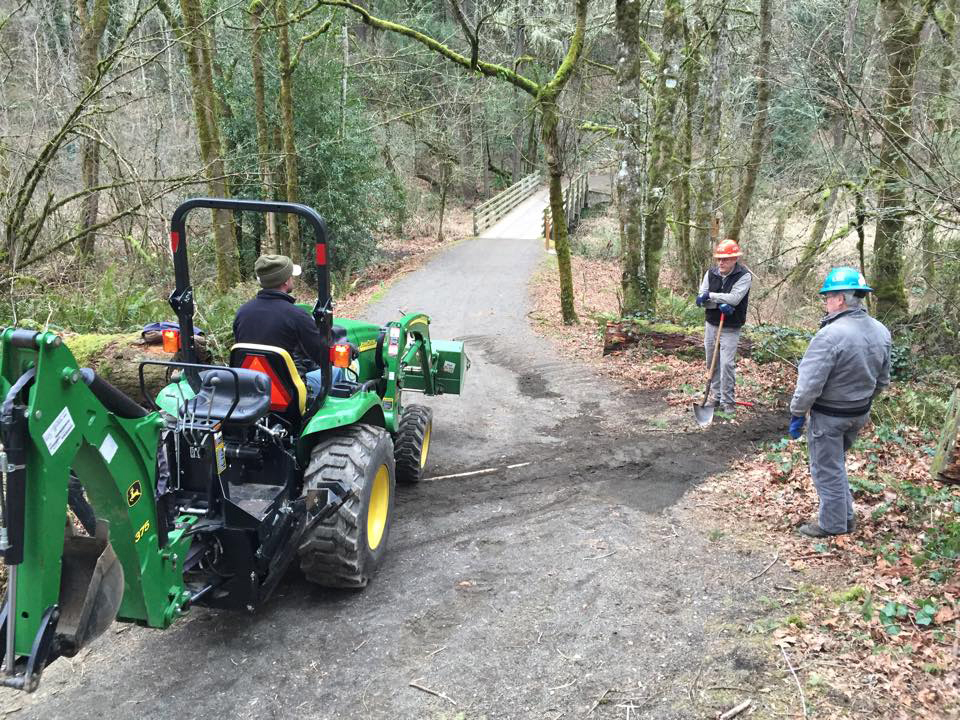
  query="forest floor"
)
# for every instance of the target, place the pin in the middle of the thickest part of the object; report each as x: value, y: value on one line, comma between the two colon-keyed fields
x: 867, y: 623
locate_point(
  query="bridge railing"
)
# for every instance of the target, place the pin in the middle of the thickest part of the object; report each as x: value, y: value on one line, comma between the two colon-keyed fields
x: 490, y: 212
x: 574, y: 201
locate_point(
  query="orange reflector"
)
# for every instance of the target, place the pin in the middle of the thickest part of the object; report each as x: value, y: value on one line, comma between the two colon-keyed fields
x: 171, y: 340
x: 340, y: 355
x: 279, y: 397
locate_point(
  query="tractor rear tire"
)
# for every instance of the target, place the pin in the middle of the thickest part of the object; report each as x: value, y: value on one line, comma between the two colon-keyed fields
x: 413, y: 443
x: 344, y: 550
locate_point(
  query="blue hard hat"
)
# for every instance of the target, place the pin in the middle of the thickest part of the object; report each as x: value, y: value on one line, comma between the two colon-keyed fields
x: 844, y: 278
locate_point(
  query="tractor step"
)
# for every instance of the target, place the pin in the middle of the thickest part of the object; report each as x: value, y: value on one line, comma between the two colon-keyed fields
x: 253, y: 498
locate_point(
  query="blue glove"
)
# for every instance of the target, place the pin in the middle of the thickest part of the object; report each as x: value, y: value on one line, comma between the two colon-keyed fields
x: 796, y: 426
x: 702, y: 298
x: 725, y: 309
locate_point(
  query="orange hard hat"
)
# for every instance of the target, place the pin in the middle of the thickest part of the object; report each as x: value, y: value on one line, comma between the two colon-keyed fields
x: 727, y: 249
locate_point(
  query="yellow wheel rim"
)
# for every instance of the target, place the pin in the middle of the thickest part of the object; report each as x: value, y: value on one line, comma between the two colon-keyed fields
x: 426, y: 446
x: 379, y: 508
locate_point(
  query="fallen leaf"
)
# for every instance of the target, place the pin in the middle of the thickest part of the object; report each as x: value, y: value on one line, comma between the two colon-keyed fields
x: 944, y: 615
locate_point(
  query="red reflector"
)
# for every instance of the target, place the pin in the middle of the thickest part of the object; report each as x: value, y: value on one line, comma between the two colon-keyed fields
x: 340, y: 355
x: 279, y: 397
x: 321, y: 253
x: 174, y: 241
x: 171, y: 340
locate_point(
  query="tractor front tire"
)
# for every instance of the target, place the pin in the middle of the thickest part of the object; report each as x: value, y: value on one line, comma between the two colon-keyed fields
x: 413, y: 443
x: 344, y: 550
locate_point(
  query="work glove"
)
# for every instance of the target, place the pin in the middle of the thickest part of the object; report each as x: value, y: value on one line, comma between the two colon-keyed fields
x: 796, y: 426
x: 725, y: 309
x: 702, y: 298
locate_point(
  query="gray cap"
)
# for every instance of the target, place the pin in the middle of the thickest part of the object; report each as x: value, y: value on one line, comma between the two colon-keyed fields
x: 273, y: 270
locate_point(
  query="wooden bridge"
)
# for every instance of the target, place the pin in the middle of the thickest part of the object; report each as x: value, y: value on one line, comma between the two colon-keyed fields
x: 522, y: 211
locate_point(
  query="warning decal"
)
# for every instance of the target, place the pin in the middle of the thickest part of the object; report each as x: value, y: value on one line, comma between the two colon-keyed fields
x: 58, y: 431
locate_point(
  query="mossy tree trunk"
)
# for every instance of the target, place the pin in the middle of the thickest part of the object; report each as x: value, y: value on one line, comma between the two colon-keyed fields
x: 632, y: 150
x: 682, y: 189
x: 759, y: 128
x: 709, y: 142
x: 91, y: 23
x: 257, y: 10
x: 287, y: 129
x: 905, y: 20
x: 663, y: 134
x: 195, y: 41
x: 561, y: 238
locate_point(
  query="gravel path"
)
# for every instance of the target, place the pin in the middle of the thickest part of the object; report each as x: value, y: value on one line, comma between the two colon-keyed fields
x: 559, y: 583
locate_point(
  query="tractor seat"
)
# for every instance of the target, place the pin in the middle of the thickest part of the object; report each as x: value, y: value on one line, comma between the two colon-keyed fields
x: 287, y: 394
x: 217, y: 395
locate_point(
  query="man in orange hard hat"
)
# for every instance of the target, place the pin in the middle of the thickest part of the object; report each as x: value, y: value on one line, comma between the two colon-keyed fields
x: 724, y: 292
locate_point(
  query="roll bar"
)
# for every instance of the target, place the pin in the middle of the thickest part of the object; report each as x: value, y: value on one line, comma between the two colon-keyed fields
x: 181, y: 299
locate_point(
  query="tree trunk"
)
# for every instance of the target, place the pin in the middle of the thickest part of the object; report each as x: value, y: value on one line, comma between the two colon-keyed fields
x: 287, y: 130
x: 688, y: 264
x: 631, y: 150
x: 345, y: 42
x: 553, y: 152
x: 661, y: 150
x: 776, y: 243
x: 901, y: 47
x: 709, y: 141
x: 91, y: 26
x: 759, y: 125
x: 519, y: 47
x: 260, y: 114
x: 445, y: 168
x: 814, y: 245
x: 195, y: 41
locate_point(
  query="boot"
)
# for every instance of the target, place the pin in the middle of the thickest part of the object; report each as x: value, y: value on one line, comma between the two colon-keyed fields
x: 814, y: 530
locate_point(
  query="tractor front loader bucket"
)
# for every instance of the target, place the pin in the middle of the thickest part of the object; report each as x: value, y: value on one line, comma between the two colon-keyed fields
x: 91, y: 588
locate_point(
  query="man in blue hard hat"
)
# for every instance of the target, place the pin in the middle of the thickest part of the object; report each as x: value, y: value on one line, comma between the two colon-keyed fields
x: 846, y: 365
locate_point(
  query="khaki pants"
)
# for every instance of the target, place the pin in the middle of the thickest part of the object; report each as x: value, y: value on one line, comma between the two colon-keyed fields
x: 725, y: 376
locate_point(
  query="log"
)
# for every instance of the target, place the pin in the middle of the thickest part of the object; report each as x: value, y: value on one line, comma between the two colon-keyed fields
x: 946, y: 460
x: 671, y: 339
x: 117, y: 357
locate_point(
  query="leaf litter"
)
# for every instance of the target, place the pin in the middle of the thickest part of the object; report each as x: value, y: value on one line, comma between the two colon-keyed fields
x: 876, y: 613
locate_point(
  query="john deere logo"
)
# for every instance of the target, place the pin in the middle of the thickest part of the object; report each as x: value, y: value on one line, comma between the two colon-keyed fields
x: 133, y: 493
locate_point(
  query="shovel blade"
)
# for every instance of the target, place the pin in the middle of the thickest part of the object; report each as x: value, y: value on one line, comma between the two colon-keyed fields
x: 703, y: 414
x: 91, y: 588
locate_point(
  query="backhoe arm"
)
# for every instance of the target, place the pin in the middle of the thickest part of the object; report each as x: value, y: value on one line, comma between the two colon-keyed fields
x: 65, y: 589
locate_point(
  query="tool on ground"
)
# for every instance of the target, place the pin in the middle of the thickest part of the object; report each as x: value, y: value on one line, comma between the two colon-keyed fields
x: 210, y: 496
x: 703, y: 413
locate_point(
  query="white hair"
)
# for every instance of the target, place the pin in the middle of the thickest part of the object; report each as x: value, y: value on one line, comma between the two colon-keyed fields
x: 851, y: 299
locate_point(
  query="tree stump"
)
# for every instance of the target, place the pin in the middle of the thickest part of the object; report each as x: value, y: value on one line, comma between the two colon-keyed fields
x: 946, y: 461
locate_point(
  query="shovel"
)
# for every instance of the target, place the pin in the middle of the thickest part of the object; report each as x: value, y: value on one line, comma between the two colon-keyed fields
x: 703, y: 413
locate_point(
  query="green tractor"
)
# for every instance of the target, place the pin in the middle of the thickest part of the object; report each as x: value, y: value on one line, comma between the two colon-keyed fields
x: 208, y: 497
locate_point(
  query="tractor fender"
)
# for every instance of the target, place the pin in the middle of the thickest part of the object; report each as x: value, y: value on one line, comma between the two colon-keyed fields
x: 362, y: 407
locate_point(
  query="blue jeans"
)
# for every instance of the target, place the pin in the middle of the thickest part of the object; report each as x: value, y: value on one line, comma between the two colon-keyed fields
x: 314, y: 380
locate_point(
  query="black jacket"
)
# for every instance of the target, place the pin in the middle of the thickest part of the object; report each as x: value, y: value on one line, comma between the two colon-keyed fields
x: 271, y: 318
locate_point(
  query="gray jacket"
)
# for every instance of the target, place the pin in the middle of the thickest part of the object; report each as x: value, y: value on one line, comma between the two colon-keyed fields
x: 846, y: 364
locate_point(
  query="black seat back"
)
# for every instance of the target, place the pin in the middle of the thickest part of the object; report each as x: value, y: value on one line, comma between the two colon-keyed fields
x: 219, y: 391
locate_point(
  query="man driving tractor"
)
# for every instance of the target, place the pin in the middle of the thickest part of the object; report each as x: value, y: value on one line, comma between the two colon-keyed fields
x: 271, y: 318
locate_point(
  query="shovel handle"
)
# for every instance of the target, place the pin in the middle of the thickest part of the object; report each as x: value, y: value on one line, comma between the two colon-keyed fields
x: 713, y: 362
